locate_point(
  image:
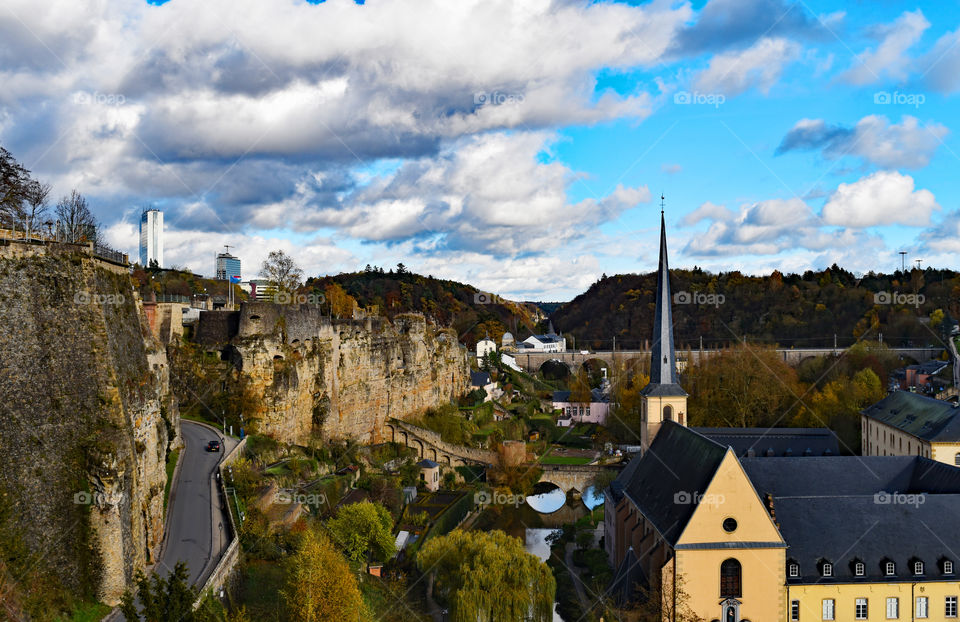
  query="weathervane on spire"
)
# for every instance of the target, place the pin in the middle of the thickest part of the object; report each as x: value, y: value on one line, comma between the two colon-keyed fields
x: 662, y: 199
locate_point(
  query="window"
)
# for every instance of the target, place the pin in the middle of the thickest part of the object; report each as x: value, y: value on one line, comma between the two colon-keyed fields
x: 729, y: 525
x: 827, y: 608
x: 730, y: 575
x: 918, y: 567
x: 859, y: 569
x: 950, y: 606
x: 947, y: 566
x: 956, y: 460
x: 793, y: 570
x: 861, y: 611
x: 893, y: 608
x: 668, y: 413
x: 890, y: 568
x: 827, y: 569
x: 922, y: 603
x: 795, y: 610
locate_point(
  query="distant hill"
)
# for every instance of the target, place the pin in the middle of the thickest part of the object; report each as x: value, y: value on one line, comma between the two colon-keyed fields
x: 470, y: 311
x: 801, y: 310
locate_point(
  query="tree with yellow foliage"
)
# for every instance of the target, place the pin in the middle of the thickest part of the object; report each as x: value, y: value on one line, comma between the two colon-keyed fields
x: 319, y: 584
x: 341, y: 303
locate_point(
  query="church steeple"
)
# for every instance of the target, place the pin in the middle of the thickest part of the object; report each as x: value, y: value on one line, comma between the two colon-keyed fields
x: 663, y: 360
x: 663, y: 398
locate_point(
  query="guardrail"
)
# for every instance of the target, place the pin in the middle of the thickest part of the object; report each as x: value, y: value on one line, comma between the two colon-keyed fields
x: 232, y: 555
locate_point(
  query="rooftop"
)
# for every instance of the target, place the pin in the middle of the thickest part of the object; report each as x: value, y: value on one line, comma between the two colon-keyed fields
x: 924, y: 417
x: 750, y: 442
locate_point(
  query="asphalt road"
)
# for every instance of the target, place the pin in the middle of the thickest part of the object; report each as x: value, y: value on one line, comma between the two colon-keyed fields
x: 195, y: 514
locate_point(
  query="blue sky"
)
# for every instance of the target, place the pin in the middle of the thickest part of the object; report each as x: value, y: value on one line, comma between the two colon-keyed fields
x: 521, y: 147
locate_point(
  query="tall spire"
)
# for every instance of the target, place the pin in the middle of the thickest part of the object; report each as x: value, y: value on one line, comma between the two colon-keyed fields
x: 663, y: 360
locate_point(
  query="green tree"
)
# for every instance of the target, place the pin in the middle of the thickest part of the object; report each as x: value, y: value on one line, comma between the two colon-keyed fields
x: 487, y: 576
x: 319, y: 586
x: 362, y: 529
x: 161, y: 599
x: 282, y: 270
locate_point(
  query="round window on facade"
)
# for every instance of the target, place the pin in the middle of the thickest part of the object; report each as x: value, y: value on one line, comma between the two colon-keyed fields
x: 729, y: 525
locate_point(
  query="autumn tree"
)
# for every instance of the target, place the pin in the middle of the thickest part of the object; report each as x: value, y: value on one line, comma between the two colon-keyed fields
x: 319, y: 586
x: 363, y: 529
x: 487, y: 576
x: 282, y: 271
x: 341, y: 303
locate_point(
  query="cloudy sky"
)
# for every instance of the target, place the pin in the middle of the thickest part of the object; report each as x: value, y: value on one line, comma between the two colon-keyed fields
x: 519, y: 146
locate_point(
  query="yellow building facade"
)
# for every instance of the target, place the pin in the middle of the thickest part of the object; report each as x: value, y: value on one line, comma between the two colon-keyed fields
x: 795, y: 539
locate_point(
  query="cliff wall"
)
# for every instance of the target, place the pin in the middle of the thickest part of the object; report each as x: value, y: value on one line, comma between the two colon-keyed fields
x: 85, y: 423
x: 335, y: 378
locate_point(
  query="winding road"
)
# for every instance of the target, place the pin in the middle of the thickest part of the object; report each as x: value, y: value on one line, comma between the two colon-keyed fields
x: 193, y: 524
x: 195, y: 513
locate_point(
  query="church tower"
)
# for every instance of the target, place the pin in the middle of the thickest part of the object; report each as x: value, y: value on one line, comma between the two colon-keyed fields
x: 663, y: 399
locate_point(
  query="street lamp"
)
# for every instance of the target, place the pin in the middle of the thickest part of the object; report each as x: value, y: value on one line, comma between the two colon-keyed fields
x: 221, y: 535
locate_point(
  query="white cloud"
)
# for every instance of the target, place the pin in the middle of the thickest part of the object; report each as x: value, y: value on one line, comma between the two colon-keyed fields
x: 874, y: 139
x: 889, y: 60
x: 758, y: 66
x: 940, y: 67
x: 883, y: 198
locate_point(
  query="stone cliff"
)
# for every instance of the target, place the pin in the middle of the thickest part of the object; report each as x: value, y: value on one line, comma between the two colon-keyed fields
x: 85, y: 424
x: 314, y: 376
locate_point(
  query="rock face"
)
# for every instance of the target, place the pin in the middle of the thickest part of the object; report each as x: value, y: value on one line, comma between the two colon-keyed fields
x: 337, y: 378
x: 85, y: 420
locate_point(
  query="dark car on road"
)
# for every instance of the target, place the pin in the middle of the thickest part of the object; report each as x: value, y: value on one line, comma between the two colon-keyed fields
x: 213, y: 446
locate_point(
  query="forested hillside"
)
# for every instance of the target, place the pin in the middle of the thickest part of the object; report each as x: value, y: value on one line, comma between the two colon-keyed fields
x: 792, y: 310
x: 471, y: 312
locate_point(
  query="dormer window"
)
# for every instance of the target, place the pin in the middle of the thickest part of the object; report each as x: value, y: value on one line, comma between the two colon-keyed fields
x: 827, y: 569
x: 859, y: 569
x: 918, y: 567
x: 947, y: 566
x: 793, y: 570
x: 889, y: 569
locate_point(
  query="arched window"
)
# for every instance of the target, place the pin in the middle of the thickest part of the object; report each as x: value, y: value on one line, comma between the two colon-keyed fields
x: 730, y: 579
x: 956, y: 460
x: 668, y: 413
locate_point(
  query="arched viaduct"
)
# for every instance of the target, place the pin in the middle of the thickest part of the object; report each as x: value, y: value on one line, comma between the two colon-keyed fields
x: 429, y: 445
x: 574, y: 477
x: 532, y: 361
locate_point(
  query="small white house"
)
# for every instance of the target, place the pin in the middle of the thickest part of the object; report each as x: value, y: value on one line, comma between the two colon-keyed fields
x: 485, y: 346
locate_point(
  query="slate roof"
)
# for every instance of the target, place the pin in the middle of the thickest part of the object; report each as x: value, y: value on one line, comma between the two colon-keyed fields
x: 596, y: 395
x: 479, y: 379
x: 630, y: 583
x: 880, y: 499
x: 663, y: 390
x: 775, y: 441
x: 921, y: 416
x: 427, y: 463
x: 678, y: 461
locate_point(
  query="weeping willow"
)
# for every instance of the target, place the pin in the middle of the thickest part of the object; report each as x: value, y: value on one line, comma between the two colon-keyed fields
x: 489, y: 577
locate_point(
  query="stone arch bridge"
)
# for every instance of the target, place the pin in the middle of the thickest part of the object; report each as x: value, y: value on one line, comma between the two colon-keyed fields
x: 532, y: 361
x: 574, y: 477
x: 429, y: 445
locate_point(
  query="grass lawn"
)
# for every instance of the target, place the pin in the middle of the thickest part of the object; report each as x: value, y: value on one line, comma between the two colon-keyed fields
x: 87, y: 612
x: 171, y: 467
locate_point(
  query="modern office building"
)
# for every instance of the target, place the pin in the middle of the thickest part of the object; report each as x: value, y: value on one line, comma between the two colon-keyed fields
x: 228, y: 267
x: 151, y: 237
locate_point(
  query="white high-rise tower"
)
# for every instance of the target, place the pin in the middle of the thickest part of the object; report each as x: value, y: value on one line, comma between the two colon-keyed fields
x: 151, y: 237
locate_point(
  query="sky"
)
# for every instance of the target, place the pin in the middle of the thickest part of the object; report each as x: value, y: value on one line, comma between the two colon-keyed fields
x: 521, y: 147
